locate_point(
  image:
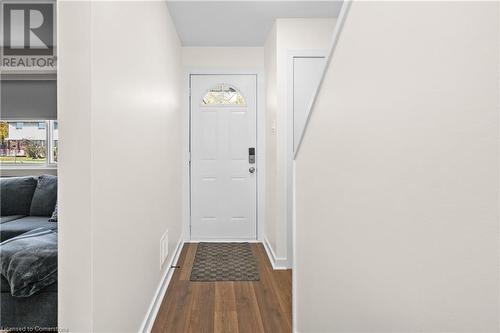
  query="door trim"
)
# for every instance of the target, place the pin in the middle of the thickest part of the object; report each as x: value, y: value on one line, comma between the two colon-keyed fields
x: 186, y: 137
x: 289, y: 144
x: 289, y: 186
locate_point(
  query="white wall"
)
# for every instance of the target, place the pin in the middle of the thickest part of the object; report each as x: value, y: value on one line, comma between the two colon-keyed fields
x: 222, y: 57
x: 74, y: 166
x: 286, y: 35
x: 270, y: 53
x: 120, y: 118
x: 397, y: 178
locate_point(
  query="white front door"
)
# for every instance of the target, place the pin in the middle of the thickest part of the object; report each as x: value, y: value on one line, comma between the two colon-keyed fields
x: 223, y: 177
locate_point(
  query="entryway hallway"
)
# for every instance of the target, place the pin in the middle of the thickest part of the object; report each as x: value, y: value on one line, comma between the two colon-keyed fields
x: 227, y: 306
x: 378, y: 187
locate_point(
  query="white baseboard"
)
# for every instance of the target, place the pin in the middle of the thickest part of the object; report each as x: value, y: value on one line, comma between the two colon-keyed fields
x: 147, y: 324
x: 277, y: 263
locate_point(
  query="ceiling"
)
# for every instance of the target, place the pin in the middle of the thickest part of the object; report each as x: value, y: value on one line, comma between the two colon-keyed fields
x: 240, y: 23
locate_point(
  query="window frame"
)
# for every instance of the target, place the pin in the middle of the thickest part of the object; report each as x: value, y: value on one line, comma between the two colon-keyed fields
x: 50, y: 146
x: 49, y: 164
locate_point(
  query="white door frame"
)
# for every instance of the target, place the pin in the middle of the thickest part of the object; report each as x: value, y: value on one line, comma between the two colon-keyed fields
x: 260, y: 149
x: 289, y: 184
x: 290, y: 165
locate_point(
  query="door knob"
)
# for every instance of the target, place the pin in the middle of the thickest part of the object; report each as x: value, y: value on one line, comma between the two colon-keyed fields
x: 252, y: 169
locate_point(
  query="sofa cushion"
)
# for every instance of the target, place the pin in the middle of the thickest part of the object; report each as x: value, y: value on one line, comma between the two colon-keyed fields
x: 37, y: 312
x: 16, y: 194
x: 9, y: 218
x: 5, y: 287
x: 22, y: 225
x: 53, y: 218
x: 29, y: 261
x: 45, y: 196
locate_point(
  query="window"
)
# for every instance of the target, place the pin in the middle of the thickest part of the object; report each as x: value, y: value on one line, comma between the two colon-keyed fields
x: 55, y: 141
x: 28, y: 143
x: 223, y: 94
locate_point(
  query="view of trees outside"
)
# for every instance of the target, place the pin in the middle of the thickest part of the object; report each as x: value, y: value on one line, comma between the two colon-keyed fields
x: 4, y: 131
x: 223, y: 94
x: 26, y: 142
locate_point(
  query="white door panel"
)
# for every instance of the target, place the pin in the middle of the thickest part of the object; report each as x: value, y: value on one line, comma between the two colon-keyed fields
x: 223, y: 191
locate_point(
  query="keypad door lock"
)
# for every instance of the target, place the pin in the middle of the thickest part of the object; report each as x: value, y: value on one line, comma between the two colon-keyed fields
x: 251, y: 155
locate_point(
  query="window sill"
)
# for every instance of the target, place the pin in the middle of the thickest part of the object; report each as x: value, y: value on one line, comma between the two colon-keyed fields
x: 27, y: 170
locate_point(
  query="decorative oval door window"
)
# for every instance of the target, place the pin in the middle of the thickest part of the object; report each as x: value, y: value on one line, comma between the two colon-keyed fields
x: 223, y: 94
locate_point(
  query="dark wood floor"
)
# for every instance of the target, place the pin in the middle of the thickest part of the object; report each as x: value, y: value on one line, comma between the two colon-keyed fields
x: 248, y: 306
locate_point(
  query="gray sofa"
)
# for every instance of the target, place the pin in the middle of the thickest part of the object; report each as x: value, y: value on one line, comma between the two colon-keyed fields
x: 27, y: 203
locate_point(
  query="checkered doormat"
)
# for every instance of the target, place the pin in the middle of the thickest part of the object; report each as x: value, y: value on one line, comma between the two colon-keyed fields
x: 224, y: 262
